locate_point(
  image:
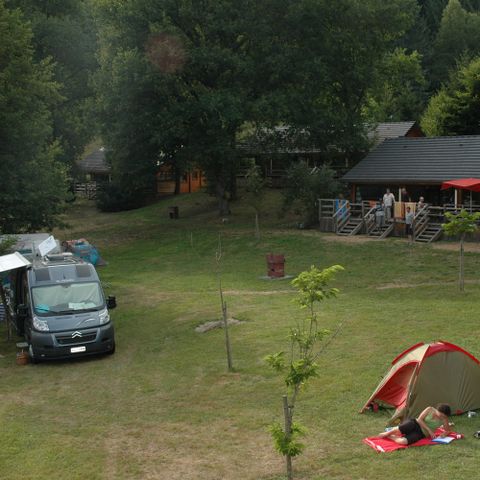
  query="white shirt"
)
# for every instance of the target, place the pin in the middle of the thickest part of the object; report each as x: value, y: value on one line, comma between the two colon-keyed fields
x: 388, y: 199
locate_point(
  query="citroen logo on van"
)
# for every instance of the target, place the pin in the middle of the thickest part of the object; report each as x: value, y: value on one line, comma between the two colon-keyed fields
x: 76, y: 334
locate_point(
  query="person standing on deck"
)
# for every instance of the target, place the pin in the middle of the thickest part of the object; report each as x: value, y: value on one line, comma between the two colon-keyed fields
x: 388, y: 205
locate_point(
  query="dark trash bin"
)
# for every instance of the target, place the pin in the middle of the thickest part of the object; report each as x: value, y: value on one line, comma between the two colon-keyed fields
x: 173, y: 212
x: 276, y: 265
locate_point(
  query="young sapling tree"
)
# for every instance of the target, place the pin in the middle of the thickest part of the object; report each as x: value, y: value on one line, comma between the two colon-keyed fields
x: 218, y: 260
x: 299, y: 365
x: 459, y: 225
x: 255, y: 187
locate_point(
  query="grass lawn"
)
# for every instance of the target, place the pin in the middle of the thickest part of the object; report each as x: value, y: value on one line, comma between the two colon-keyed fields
x: 164, y: 406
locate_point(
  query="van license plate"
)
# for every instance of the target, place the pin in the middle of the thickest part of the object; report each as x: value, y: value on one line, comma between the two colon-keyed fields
x: 78, y: 349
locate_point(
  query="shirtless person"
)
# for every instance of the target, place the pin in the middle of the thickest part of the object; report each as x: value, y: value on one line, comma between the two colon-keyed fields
x: 424, y: 426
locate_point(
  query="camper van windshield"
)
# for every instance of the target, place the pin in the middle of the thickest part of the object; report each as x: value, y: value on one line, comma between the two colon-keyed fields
x: 67, y: 298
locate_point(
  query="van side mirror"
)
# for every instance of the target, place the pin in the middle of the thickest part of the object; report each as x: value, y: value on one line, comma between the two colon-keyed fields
x: 22, y: 310
x: 111, y: 302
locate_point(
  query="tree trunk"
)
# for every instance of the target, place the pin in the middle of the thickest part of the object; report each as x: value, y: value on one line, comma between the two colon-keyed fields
x: 227, y: 337
x: 257, y: 226
x: 222, y: 197
x: 233, y: 186
x: 178, y: 177
x: 288, y: 433
x: 461, y: 279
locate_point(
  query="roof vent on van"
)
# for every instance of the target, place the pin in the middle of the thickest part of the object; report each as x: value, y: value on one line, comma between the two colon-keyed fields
x: 60, y: 257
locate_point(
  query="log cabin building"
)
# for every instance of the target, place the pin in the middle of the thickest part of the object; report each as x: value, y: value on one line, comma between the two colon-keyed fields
x: 419, y: 165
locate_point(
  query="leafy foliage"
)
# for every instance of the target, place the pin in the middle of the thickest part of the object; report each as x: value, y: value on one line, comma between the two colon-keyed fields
x: 312, y: 285
x: 115, y: 197
x: 461, y: 224
x: 400, y: 92
x: 458, y: 37
x: 304, y: 186
x: 6, y: 243
x: 288, y: 444
x: 192, y: 74
x: 455, y: 109
x: 64, y: 32
x: 32, y: 181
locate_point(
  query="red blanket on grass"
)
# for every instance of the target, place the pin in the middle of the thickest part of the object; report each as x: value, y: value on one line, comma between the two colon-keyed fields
x: 386, y: 445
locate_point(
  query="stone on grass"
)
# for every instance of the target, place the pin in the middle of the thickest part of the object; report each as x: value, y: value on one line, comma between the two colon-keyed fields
x: 206, y: 327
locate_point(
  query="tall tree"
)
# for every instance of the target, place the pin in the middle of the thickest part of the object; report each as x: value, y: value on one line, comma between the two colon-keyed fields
x: 208, y: 67
x: 455, y: 109
x: 63, y: 30
x: 399, y: 94
x: 458, y: 37
x: 32, y: 182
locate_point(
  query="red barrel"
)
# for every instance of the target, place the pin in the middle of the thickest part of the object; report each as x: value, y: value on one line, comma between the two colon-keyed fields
x: 276, y: 265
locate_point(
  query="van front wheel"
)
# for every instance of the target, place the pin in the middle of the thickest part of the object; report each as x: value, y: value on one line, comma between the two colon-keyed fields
x: 112, y: 351
x: 33, y: 359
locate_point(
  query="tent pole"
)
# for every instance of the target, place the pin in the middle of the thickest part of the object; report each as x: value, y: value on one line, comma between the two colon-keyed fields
x: 456, y: 198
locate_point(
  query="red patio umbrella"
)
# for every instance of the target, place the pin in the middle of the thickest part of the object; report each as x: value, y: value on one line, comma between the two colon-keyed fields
x: 471, y: 184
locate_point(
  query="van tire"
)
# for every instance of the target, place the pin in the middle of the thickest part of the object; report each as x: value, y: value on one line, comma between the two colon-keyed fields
x: 112, y: 351
x: 33, y: 359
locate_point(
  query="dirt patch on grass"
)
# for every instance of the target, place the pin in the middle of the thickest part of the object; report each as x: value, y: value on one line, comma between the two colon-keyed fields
x: 356, y: 239
x: 425, y: 284
x: 217, y: 450
x: 455, y: 247
x: 255, y: 292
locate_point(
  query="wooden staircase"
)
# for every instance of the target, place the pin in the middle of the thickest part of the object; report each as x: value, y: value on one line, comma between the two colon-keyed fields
x: 431, y: 233
x: 351, y: 227
x: 372, y: 229
x: 381, y: 232
x: 428, y: 224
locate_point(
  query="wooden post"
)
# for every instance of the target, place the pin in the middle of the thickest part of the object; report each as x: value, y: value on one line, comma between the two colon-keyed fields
x: 227, y: 338
x: 461, y: 282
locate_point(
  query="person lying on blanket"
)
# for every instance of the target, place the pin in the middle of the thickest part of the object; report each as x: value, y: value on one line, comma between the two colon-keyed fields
x: 424, y: 426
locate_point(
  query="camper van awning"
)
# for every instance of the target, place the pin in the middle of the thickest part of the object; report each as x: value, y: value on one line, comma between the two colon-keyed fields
x: 13, y: 261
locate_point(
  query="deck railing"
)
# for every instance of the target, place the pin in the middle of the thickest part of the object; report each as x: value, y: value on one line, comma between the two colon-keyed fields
x: 369, y: 220
x: 335, y: 213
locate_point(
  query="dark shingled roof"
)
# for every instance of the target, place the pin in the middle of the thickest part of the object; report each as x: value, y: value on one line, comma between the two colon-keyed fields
x: 281, y: 139
x: 95, y: 162
x: 419, y: 160
x: 390, y: 130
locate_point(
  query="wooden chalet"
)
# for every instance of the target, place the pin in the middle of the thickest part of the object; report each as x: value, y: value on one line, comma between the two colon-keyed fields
x: 420, y: 165
x: 190, y: 181
x: 276, y: 149
x: 94, y: 167
x: 411, y: 168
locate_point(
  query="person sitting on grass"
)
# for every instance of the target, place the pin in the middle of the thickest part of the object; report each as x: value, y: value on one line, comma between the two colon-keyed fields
x: 424, y: 426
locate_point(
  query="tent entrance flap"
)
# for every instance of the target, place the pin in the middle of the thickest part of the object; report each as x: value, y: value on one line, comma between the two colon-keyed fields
x: 395, y: 390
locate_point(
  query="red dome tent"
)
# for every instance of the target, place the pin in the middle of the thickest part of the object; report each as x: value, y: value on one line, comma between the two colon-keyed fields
x: 427, y: 374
